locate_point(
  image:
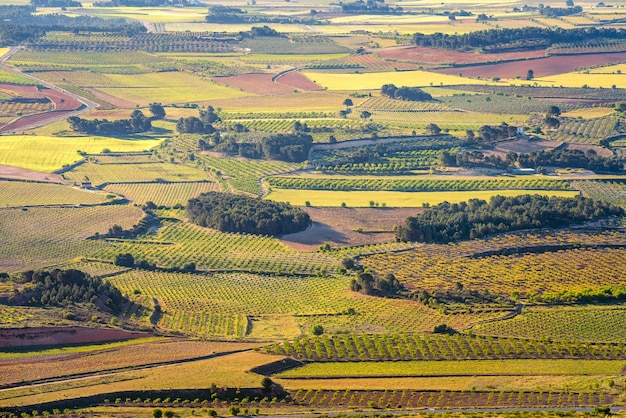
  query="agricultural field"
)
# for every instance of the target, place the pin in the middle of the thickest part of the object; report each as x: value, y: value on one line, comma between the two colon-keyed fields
x: 337, y: 128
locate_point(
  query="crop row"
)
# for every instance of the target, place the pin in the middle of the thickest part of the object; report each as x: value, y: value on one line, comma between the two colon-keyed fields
x: 610, y: 191
x: 579, y: 323
x: 373, y: 62
x: 272, y: 115
x: 40, y: 237
x: 501, y: 104
x: 384, y: 103
x: 161, y: 194
x: 586, y: 131
x: 415, y: 185
x: 20, y: 109
x: 446, y: 399
x: 14, y: 193
x: 523, y: 275
x: 179, y: 243
x: 286, y: 125
x: 119, y: 173
x: 354, y: 347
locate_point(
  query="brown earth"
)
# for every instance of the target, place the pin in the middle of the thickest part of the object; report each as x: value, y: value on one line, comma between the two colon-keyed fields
x: 63, y: 335
x: 442, y: 56
x: 601, y: 151
x: 258, y: 83
x: 541, y: 67
x: 17, y: 173
x: 115, y: 101
x: 338, y: 226
x: 297, y: 81
x: 526, y: 146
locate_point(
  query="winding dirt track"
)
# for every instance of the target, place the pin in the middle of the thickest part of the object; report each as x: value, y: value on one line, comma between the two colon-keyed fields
x: 66, y: 103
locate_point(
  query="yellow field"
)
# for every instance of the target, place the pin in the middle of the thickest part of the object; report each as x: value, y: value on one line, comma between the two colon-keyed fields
x: 226, y: 371
x: 328, y: 198
x: 577, y: 79
x: 609, y: 69
x: 47, y: 153
x: 372, y: 81
x: 387, y: 19
x: 144, y: 89
x: 4, y: 50
x: 150, y: 14
x: 589, y: 112
x: 230, y: 28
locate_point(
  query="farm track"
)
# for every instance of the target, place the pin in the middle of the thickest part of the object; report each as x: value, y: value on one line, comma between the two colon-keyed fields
x: 64, y: 107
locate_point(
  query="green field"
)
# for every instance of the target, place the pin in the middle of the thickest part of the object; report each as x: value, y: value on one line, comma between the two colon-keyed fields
x: 48, y: 153
x: 392, y: 199
x: 459, y: 368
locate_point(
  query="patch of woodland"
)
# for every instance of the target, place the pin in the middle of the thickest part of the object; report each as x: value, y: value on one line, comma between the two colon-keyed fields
x: 243, y: 214
x: 477, y: 218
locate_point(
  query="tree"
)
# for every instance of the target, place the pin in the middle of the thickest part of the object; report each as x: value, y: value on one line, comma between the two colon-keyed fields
x: 125, y: 260
x: 553, y: 111
x: 348, y: 102
x: 569, y: 3
x: 446, y: 159
x: 433, y: 129
x: 365, y: 115
x: 553, y: 123
x: 169, y: 413
x: 157, y: 413
x: 157, y: 110
x: 530, y: 75
x: 267, y: 385
x: 318, y: 330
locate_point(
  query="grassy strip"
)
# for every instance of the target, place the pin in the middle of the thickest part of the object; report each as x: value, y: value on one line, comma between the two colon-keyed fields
x: 459, y: 368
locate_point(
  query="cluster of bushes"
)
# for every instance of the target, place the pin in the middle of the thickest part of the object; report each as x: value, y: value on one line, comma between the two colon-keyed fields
x: 550, y: 11
x: 600, y: 295
x: 137, y: 123
x: 366, y: 283
x: 285, y: 147
x: 203, y: 124
x: 478, y: 218
x: 236, y: 213
x: 412, y: 94
x: 65, y: 288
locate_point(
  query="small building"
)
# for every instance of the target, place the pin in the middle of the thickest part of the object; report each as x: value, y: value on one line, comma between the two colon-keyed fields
x: 86, y: 183
x: 519, y: 131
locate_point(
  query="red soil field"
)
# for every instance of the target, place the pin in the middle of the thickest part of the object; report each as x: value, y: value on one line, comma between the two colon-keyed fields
x: 601, y: 151
x: 63, y: 335
x: 258, y: 83
x: 17, y: 173
x: 298, y: 81
x: 541, y: 67
x: 442, y: 56
x: 64, y: 104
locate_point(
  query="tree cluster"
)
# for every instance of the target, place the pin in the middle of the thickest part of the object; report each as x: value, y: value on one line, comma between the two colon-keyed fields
x: 236, y: 213
x: 550, y: 11
x: 137, y: 123
x: 518, y: 38
x: 55, y: 3
x: 65, y: 288
x: 376, y: 286
x: 203, y: 124
x: 412, y: 94
x: 370, y: 7
x: 478, y: 218
x: 18, y: 24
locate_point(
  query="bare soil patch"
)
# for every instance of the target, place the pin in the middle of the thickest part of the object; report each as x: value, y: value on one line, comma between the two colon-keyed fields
x: 526, y: 146
x: 259, y: 83
x: 601, y: 151
x: 63, y: 335
x: 115, y: 101
x: 445, y: 57
x: 541, y: 67
x: 338, y: 227
x: 17, y: 173
x: 297, y: 81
